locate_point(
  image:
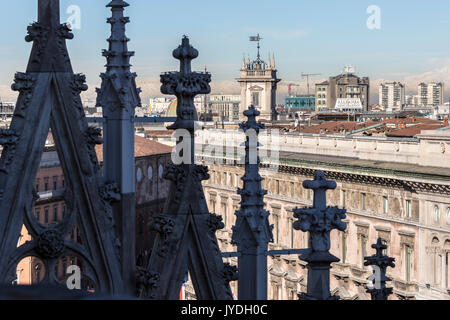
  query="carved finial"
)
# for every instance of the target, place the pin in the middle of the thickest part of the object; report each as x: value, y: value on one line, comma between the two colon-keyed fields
x: 380, y: 262
x: 319, y: 221
x: 320, y: 185
x: 185, y: 85
x: 251, y: 113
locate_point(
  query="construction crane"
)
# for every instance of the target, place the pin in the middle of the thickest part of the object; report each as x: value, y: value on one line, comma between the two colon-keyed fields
x: 307, y: 75
x: 290, y: 85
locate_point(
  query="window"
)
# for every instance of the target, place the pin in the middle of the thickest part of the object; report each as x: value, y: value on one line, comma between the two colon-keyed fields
x: 46, y: 184
x: 363, y: 201
x: 362, y: 244
x: 212, y: 205
x: 55, y: 183
x: 150, y: 173
x: 275, y: 227
x: 437, y: 214
x: 139, y: 175
x: 46, y: 215
x: 255, y: 99
x: 55, y: 214
x: 37, y: 185
x: 385, y: 251
x: 385, y: 205
x: 275, y: 291
x: 408, y: 253
x: 344, y: 246
x: 224, y: 212
x: 448, y: 215
x: 408, y: 209
x: 38, y: 215
x: 291, y: 232
x: 343, y: 198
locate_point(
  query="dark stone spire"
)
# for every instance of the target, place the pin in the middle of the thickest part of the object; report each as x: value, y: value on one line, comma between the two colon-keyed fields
x: 49, y: 52
x: 252, y: 213
x: 252, y: 232
x: 379, y: 278
x: 119, y: 97
x: 186, y: 231
x: 118, y: 77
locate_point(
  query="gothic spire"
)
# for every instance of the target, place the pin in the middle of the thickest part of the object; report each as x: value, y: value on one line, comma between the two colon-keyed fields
x: 118, y: 77
x: 49, y: 52
x: 273, y: 62
x: 252, y: 232
x: 269, y: 63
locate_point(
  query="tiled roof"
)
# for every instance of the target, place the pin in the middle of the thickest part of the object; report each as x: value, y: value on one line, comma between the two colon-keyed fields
x: 143, y: 148
x: 413, y: 130
x: 334, y: 127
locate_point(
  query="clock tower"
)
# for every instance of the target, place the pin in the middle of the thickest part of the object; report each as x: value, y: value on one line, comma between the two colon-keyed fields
x: 258, y: 80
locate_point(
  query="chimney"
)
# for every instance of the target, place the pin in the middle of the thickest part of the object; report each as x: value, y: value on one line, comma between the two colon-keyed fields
x: 446, y: 122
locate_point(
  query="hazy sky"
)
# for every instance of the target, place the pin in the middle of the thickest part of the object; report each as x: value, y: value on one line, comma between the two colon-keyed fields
x: 314, y: 36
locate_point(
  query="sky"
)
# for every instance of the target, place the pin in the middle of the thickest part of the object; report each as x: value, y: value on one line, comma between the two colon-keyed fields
x: 310, y: 36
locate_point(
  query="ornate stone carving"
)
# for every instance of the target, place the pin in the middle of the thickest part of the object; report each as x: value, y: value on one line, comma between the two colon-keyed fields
x: 8, y: 139
x: 178, y: 175
x: 164, y: 226
x: 93, y: 138
x: 230, y: 273
x: 24, y: 83
x: 215, y: 222
x: 146, y: 281
x: 50, y: 244
x: 379, y: 278
x: 38, y: 33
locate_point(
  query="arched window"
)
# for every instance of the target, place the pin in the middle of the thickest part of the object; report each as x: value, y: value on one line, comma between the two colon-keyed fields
x: 437, y: 213
x: 150, y: 173
x: 448, y: 215
x: 139, y: 175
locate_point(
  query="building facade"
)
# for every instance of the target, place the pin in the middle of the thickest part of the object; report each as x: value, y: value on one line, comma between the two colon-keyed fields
x: 403, y: 197
x: 391, y: 95
x: 224, y: 107
x: 344, y: 86
x: 431, y: 94
x: 300, y: 103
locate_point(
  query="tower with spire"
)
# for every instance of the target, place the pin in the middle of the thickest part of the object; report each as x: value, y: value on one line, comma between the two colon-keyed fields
x: 258, y: 81
x: 118, y: 97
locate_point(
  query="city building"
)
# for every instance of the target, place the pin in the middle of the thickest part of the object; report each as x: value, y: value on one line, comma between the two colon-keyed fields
x: 412, y: 100
x: 300, y: 103
x: 392, y: 95
x: 224, y: 107
x: 258, y: 82
x: 431, y: 94
x: 347, y: 87
x: 394, y: 189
